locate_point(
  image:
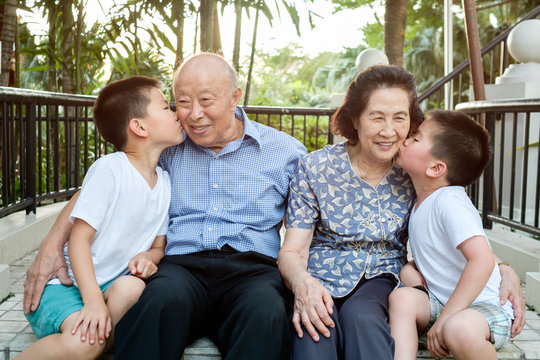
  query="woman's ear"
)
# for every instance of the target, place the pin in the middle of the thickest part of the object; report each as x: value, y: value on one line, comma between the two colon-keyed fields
x: 137, y: 127
x: 437, y: 169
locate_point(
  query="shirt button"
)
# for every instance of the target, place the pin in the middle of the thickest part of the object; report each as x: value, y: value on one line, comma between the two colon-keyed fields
x: 215, y: 209
x: 216, y: 157
x: 216, y: 186
x: 383, y: 220
x: 209, y: 229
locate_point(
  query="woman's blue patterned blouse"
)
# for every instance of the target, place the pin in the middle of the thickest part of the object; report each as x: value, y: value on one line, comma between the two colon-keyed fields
x: 359, y: 230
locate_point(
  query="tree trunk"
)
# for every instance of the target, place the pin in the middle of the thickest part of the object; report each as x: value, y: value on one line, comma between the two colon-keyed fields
x: 78, y: 46
x: 68, y: 23
x: 207, y: 24
x: 52, y: 76
x: 252, y: 59
x: 8, y: 23
x: 178, y: 13
x: 395, y: 21
x: 216, y: 36
x: 238, y: 7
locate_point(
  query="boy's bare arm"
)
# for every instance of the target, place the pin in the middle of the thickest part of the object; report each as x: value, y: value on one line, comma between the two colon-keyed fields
x: 144, y: 264
x: 49, y: 262
x: 94, y: 318
x: 480, y: 262
x: 473, y: 279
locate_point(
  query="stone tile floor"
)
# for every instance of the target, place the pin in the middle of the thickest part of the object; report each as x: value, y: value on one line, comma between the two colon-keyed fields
x: 16, y: 335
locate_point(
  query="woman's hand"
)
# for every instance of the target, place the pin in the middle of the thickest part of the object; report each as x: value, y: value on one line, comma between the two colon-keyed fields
x: 94, y: 320
x: 142, y: 266
x: 313, y: 306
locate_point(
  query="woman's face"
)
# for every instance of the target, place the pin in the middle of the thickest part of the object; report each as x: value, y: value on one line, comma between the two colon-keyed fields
x: 384, y: 124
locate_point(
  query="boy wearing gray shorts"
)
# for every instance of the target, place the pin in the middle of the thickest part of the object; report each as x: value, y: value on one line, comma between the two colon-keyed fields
x: 453, y: 262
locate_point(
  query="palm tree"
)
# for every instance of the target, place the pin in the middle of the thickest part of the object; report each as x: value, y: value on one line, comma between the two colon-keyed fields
x: 8, y: 24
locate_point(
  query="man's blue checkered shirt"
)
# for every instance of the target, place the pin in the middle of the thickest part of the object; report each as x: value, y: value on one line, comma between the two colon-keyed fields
x: 235, y: 197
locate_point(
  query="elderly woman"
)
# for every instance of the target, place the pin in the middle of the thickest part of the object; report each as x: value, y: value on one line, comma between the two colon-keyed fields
x: 346, y: 223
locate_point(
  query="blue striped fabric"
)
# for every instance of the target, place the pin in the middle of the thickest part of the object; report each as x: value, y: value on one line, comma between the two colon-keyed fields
x: 235, y: 197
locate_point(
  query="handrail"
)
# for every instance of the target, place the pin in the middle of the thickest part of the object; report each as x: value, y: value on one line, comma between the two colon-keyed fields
x: 503, y: 105
x: 465, y: 64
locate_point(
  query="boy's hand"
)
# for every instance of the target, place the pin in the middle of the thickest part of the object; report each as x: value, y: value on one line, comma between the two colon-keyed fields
x: 435, y: 340
x: 94, y: 320
x: 142, y: 265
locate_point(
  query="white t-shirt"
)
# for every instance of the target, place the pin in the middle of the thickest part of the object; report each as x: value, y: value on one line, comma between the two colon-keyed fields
x: 127, y: 214
x: 437, y: 227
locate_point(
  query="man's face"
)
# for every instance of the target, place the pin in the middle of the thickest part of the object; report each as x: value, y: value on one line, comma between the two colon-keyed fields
x: 205, y: 104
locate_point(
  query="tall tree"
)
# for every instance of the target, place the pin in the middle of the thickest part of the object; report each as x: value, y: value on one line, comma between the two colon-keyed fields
x: 68, y: 24
x: 8, y: 23
x: 207, y: 24
x: 395, y: 22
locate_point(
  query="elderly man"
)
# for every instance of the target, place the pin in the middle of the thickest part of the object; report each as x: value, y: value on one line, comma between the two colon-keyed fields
x: 229, y: 181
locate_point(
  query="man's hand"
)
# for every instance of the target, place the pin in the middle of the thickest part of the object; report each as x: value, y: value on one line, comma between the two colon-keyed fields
x: 142, y: 266
x: 511, y: 290
x: 49, y: 263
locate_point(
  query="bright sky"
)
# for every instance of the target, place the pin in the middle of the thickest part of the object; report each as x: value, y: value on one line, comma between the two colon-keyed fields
x: 331, y: 32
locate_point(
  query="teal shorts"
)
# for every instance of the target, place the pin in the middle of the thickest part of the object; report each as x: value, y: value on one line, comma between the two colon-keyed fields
x: 57, y: 303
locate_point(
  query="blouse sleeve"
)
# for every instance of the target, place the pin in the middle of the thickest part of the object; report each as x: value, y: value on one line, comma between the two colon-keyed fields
x: 302, y: 206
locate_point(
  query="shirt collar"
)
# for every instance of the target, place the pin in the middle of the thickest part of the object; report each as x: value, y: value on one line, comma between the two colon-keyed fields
x: 249, y: 128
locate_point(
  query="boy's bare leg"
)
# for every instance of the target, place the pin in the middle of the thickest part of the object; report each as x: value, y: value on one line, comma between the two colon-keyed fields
x: 63, y: 345
x: 119, y: 297
x: 409, y: 315
x: 466, y: 334
x: 410, y: 276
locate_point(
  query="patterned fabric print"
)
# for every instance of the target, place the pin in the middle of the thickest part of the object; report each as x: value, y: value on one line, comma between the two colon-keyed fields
x: 359, y: 230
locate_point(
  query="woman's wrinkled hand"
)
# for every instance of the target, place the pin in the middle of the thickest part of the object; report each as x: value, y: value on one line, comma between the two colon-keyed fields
x: 313, y: 306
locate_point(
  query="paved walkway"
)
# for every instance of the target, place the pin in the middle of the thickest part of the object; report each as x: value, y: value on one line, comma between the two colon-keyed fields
x: 16, y: 335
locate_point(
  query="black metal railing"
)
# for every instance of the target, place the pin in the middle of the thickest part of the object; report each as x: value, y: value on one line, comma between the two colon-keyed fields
x: 48, y: 142
x: 495, y: 60
x: 511, y: 183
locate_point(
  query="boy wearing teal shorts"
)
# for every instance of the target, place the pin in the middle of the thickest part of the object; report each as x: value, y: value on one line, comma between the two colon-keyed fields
x: 461, y: 313
x: 120, y: 222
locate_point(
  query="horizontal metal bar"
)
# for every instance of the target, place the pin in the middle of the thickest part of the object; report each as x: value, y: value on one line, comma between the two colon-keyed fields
x: 509, y: 105
x: 514, y: 224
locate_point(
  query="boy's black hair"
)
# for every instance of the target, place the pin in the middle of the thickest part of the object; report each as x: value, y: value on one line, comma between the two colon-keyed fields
x: 118, y: 103
x: 462, y: 143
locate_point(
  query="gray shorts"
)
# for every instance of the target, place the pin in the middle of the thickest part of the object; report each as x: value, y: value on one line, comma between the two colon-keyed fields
x: 498, y: 320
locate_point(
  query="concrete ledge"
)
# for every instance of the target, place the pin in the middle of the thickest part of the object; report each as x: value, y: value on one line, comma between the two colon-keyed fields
x: 522, y: 252
x: 5, y: 282
x: 533, y: 290
x: 20, y: 234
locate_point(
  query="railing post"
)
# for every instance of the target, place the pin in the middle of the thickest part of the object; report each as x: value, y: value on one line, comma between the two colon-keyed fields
x: 30, y: 185
x: 488, y: 195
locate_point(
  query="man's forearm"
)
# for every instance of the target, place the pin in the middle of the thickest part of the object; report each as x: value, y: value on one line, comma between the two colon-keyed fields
x: 61, y: 229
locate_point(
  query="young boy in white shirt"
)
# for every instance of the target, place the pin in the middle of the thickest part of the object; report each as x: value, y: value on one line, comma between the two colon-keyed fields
x: 452, y: 257
x: 120, y: 224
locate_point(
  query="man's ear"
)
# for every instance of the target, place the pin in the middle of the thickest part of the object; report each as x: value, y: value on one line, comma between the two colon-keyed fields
x: 437, y: 169
x: 138, y: 127
x: 236, y: 96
